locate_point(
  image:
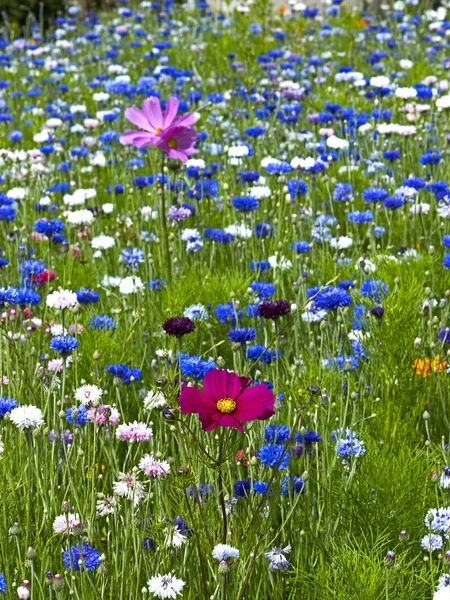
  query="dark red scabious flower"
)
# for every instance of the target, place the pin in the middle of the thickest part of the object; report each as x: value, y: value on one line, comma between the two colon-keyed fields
x: 43, y: 278
x: 178, y: 326
x: 274, y: 310
x: 227, y: 400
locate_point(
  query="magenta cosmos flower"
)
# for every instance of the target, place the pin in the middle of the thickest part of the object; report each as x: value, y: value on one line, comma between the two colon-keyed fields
x: 227, y: 401
x: 174, y: 135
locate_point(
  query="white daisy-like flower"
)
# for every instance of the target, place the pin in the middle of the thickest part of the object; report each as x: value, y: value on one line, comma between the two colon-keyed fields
x: 341, y: 242
x: 129, y: 487
x: 260, y: 192
x: 79, y: 217
x: 224, y: 551
x: 174, y: 538
x: 239, y: 230
x: 134, y: 432
x: 195, y: 312
x: 131, y: 285
x: 165, y: 586
x: 279, y: 262
x: 105, y: 506
x: 61, y: 299
x: 69, y: 524
x: 89, y: 395
x: 25, y: 417
x: 154, y: 399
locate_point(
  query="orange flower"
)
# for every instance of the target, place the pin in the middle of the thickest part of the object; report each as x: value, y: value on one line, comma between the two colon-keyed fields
x: 282, y: 10
x: 426, y: 367
x: 362, y: 23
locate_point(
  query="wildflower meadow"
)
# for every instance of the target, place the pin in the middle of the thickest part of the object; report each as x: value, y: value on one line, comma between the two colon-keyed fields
x: 224, y: 292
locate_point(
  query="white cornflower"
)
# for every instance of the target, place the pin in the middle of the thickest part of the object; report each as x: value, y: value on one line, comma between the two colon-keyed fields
x: 196, y: 312
x: 260, y: 192
x: 69, y: 524
x: 80, y: 217
x: 279, y: 262
x: 134, y: 432
x: 165, y: 586
x: 89, y: 395
x: 443, y: 102
x: 153, y: 468
x: 25, y: 417
x: 105, y: 506
x: 224, y: 551
x: 405, y: 93
x: 341, y: 243
x: 380, y: 81
x: 129, y: 487
x: 102, y: 242
x: 337, y: 143
x: 61, y: 299
x: 278, y: 562
x: 131, y: 285
x: 239, y: 230
x: 174, y: 538
x: 17, y: 193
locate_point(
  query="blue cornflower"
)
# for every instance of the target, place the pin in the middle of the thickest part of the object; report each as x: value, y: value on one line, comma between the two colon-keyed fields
x: 64, y: 344
x: 374, y: 289
x: 260, y: 487
x: 217, y: 235
x: 262, y: 354
x: 28, y: 268
x: 242, y: 488
x: 132, y: 257
x: 360, y: 217
x: 263, y: 289
x: 254, y: 131
x: 358, y: 350
x: 343, y: 363
x: 374, y: 194
x: 414, y: 182
x: 206, y: 188
x: 331, y: 299
x: 444, y: 335
x: 393, y: 202
x: 242, y: 335
x: 446, y: 241
x: 260, y: 265
x: 343, y: 192
x: 431, y: 157
x: 245, y: 204
x: 49, y: 227
x: 226, y: 313
x: 6, y: 405
x: 89, y: 558
x: 279, y: 168
x: 2, y: 584
x: 347, y: 443
x: 276, y: 433
x: 7, y: 212
x: 391, y: 155
x: 85, y: 296
x: 195, y: 366
x: 24, y: 297
x: 122, y: 373
x: 307, y: 437
x: 273, y: 455
x: 102, y: 322
x: 300, y: 247
x: 446, y: 261
x: 263, y: 230
x: 296, y: 188
x: 157, y: 285
x: 81, y: 418
x: 379, y: 231
x: 294, y: 484
x: 204, y: 491
x: 249, y: 176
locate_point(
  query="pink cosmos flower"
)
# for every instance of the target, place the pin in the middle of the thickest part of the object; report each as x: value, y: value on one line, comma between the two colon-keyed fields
x: 173, y: 135
x: 227, y: 401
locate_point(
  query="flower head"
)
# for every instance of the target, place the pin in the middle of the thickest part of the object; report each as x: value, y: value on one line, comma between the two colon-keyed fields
x: 227, y: 400
x: 165, y: 586
x: 25, y: 417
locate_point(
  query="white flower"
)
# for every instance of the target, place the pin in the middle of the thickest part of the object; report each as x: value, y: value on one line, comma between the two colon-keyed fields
x: 303, y: 163
x: 62, y: 299
x: 79, y: 217
x: 237, y: 151
x: 16, y: 193
x: 196, y: 312
x: 337, y: 143
x: 278, y: 562
x: 239, y: 231
x: 102, y: 242
x: 341, y: 243
x: 165, y: 586
x: 174, y: 538
x: 105, y: 506
x: 406, y: 64
x: 108, y: 208
x: 129, y: 487
x: 89, y: 395
x: 421, y: 208
x: 153, y: 468
x: 260, y: 192
x: 380, y: 81
x: 69, y: 524
x: 405, y: 93
x: 25, y: 417
x: 443, y: 102
x: 279, y: 262
x: 154, y: 399
x: 223, y: 552
x: 108, y: 281
x: 131, y: 285
x: 2, y: 448
x: 196, y: 162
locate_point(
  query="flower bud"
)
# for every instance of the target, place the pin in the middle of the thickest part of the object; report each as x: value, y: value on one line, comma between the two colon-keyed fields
x: 389, y: 559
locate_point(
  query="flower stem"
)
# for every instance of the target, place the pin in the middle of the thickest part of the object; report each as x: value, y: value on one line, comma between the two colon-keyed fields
x: 165, y: 234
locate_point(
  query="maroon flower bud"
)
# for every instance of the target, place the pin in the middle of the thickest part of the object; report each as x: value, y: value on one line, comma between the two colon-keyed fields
x: 178, y: 326
x: 274, y: 310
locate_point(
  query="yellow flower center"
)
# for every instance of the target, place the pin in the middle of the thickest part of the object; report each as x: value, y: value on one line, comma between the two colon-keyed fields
x: 172, y: 143
x: 227, y: 405
x: 158, y: 131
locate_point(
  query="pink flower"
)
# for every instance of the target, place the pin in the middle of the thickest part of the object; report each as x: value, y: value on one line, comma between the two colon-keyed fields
x: 227, y: 401
x: 104, y: 415
x: 173, y: 135
x: 134, y: 432
x: 153, y: 468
